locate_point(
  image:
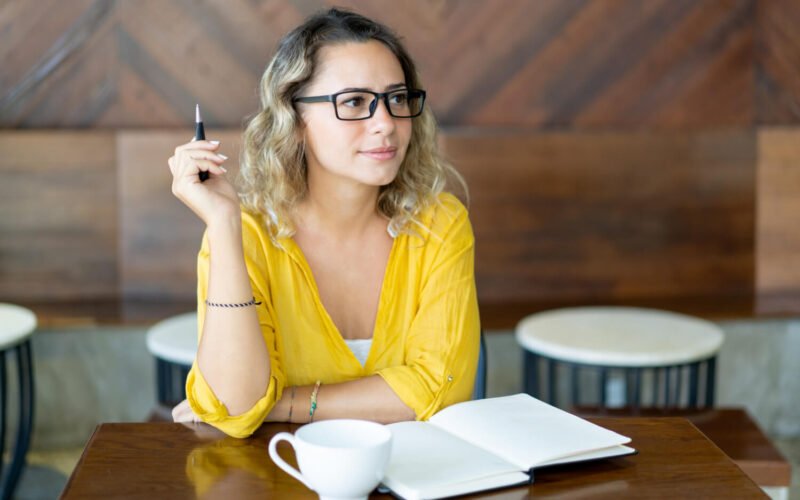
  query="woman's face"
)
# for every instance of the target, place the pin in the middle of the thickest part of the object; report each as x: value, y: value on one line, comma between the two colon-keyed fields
x: 365, y: 151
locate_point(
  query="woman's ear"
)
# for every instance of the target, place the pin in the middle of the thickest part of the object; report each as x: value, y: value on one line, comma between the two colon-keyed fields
x: 300, y: 131
x: 300, y: 122
x: 300, y: 136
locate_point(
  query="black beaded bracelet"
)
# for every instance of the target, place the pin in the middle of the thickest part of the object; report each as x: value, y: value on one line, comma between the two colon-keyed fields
x: 252, y: 302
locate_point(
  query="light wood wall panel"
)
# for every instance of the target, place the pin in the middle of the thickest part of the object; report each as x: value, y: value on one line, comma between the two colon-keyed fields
x: 58, y: 222
x: 778, y: 237
x: 581, y: 64
x: 778, y: 62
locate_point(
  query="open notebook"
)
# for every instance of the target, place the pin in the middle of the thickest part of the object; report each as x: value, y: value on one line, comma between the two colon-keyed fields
x: 490, y: 443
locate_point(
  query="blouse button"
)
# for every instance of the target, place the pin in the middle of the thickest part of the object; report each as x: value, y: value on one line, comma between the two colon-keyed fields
x: 449, y: 378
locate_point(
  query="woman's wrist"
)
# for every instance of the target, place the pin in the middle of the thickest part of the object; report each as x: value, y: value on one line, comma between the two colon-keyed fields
x: 225, y: 237
x: 293, y: 391
x: 225, y: 226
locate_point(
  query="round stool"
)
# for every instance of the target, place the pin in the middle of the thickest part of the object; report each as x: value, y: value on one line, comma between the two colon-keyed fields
x: 627, y: 344
x: 16, y: 327
x: 173, y: 342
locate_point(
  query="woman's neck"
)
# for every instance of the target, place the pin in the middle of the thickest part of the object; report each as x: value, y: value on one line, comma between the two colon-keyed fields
x: 341, y: 210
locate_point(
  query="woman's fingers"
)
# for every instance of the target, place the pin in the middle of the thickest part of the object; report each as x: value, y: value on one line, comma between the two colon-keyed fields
x: 183, y: 413
x: 208, y: 145
x: 206, y: 199
x: 185, y: 166
x: 208, y: 155
x: 197, y: 165
x: 194, y: 160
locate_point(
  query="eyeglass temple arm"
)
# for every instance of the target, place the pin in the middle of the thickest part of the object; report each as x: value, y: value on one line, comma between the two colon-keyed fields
x: 316, y: 98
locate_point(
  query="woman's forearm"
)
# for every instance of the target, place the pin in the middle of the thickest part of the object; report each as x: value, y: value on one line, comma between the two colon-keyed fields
x: 232, y: 355
x: 369, y: 398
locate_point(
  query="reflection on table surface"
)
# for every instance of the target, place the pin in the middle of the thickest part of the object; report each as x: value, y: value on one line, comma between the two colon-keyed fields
x: 165, y: 460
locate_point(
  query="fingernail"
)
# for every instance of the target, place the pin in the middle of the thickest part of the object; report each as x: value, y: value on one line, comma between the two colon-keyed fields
x: 222, y: 156
x: 224, y: 169
x: 216, y: 143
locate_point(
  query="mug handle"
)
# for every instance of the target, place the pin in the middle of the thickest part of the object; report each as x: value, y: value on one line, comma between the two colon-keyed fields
x: 273, y: 454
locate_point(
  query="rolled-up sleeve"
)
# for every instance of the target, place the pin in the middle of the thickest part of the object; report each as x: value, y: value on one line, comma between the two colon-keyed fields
x: 201, y: 397
x: 442, y: 344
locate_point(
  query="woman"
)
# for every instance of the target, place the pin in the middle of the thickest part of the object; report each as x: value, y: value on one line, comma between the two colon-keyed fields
x: 343, y: 286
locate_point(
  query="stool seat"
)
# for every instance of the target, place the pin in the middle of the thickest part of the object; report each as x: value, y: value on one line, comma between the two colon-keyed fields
x: 173, y: 343
x: 16, y: 325
x: 174, y: 339
x: 625, y: 351
x: 619, y: 336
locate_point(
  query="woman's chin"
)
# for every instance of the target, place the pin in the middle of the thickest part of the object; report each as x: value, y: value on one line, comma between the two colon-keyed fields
x: 380, y: 176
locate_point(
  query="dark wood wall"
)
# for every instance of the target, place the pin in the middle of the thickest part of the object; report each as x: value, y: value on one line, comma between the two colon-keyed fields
x: 503, y: 63
x: 617, y: 151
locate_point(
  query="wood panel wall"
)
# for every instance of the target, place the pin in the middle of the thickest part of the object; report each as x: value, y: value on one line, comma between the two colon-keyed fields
x: 617, y: 150
x: 666, y: 64
x: 593, y: 216
x: 58, y: 222
x: 558, y: 217
x: 159, y: 236
x: 778, y: 237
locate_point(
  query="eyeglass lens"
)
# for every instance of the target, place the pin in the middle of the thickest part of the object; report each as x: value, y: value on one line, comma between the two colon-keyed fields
x: 358, y: 105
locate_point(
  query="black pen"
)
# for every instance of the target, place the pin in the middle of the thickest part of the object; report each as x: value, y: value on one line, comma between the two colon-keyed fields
x: 199, y: 135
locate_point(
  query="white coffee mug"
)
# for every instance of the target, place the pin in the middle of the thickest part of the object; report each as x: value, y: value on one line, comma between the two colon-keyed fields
x: 339, y: 459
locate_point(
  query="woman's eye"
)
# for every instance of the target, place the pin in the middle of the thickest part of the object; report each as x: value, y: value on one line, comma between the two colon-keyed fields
x: 354, y: 102
x: 399, y: 99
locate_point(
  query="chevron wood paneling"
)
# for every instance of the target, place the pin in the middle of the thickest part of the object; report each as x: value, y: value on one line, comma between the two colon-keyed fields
x: 778, y: 68
x: 508, y: 63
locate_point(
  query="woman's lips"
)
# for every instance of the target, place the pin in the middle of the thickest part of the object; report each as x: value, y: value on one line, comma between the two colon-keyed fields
x: 381, y: 153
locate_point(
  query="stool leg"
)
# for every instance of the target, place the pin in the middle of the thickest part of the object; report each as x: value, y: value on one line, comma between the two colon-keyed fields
x: 637, y: 383
x: 161, y: 381
x: 655, y: 394
x: 26, y: 392
x: 174, y: 374
x: 625, y: 387
x: 171, y: 383
x: 574, y: 385
x: 184, y: 374
x: 693, y: 372
x: 530, y: 364
x: 2, y: 409
x: 601, y: 387
x: 711, y: 368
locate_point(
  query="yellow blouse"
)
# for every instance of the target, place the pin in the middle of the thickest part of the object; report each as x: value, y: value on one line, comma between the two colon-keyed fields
x: 426, y: 336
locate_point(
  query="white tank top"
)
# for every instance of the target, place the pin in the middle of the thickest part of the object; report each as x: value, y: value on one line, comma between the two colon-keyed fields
x: 360, y: 348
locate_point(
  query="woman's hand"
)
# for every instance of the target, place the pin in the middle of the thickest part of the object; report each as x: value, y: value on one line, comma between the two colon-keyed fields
x: 183, y: 413
x: 214, y: 199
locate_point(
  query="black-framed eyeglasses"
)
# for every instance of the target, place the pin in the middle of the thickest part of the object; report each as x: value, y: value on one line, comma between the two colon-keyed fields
x: 353, y: 105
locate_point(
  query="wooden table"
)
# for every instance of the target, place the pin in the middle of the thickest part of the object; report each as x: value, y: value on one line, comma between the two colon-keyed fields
x: 732, y: 429
x: 165, y: 460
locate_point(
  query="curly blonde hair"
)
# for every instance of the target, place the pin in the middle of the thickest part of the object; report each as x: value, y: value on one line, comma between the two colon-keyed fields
x: 272, y: 177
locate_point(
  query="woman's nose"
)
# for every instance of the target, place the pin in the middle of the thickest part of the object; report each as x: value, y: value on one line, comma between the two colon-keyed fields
x: 382, y: 120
